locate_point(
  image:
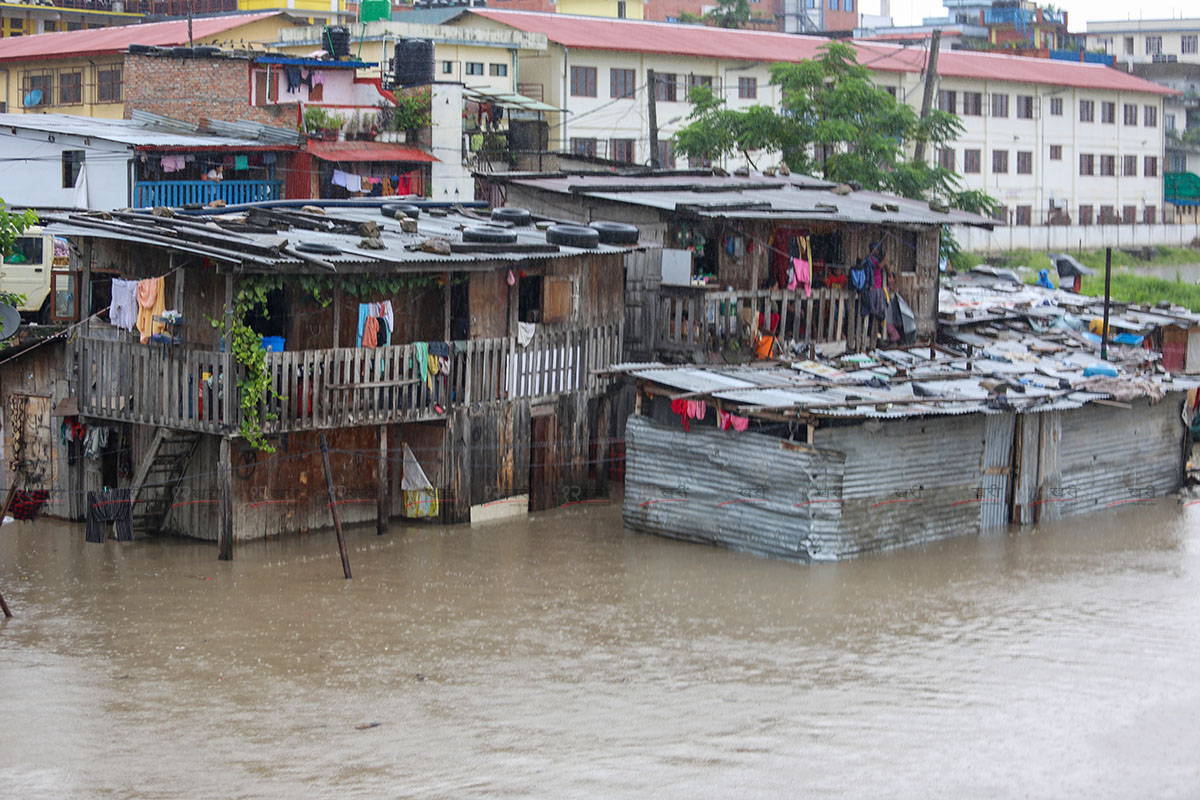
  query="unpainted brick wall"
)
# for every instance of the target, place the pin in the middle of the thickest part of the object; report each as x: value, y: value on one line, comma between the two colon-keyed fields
x: 192, y: 89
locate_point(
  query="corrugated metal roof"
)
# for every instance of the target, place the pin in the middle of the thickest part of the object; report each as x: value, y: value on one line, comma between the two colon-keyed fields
x: 800, y: 198
x: 126, y: 132
x: 96, y: 41
x: 400, y: 251
x: 595, y: 33
x: 367, y: 151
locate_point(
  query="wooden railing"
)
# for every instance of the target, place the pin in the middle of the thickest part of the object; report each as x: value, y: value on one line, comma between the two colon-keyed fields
x: 334, y: 388
x: 693, y: 319
x: 147, y: 194
x: 153, y: 385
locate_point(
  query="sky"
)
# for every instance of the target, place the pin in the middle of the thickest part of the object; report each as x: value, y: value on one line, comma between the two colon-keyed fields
x: 910, y: 12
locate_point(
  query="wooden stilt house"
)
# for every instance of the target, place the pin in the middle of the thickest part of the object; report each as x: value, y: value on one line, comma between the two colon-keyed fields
x: 472, y: 342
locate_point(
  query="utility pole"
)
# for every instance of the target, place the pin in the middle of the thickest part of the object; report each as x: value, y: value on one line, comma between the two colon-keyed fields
x: 652, y: 116
x: 1107, y: 302
x: 930, y: 85
x: 191, y: 11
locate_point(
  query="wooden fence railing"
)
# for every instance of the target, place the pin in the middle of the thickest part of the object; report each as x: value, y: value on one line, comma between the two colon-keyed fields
x: 695, y: 319
x: 333, y: 388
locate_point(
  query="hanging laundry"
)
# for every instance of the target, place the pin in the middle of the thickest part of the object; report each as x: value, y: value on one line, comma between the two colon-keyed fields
x: 123, y: 310
x: 421, y: 357
x: 241, y: 162
x: 680, y: 407
x: 525, y: 331
x: 150, y: 302
x: 26, y: 504
x: 95, y: 442
x: 696, y: 409
x: 739, y: 423
x: 316, y: 78
x: 173, y: 163
x: 370, y: 333
x: 439, y: 349
x: 339, y: 178
x: 227, y: 162
x: 353, y: 183
x: 385, y: 311
x: 111, y: 505
x: 268, y: 158
x: 293, y: 78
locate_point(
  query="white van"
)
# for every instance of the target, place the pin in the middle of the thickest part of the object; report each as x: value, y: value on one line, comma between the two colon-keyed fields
x: 28, y: 268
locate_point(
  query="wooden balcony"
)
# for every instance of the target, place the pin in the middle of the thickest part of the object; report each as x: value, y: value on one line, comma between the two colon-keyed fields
x: 185, y: 389
x: 692, y: 319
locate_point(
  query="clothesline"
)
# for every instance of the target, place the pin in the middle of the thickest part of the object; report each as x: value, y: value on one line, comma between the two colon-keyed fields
x: 72, y: 326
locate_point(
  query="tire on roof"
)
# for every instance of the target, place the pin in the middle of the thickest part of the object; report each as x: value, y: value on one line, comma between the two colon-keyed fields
x: 573, y: 236
x: 488, y: 234
x: 616, y: 232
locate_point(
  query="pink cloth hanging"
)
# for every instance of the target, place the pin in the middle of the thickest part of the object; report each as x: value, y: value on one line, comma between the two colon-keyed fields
x: 801, y: 276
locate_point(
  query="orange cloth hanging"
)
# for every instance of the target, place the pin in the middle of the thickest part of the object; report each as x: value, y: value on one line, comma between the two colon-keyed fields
x: 150, y: 294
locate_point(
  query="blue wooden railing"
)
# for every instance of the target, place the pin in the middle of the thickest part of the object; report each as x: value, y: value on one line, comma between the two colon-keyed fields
x: 147, y: 194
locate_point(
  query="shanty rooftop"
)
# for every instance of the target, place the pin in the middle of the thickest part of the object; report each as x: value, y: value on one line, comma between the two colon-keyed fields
x: 328, y: 239
x: 1005, y: 347
x: 755, y: 196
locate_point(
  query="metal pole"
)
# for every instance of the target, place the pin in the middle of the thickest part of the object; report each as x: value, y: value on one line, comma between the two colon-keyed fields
x: 652, y: 116
x: 1107, y: 299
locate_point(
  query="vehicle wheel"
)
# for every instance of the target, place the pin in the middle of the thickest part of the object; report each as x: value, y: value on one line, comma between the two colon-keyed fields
x: 487, y: 234
x: 390, y: 210
x: 317, y: 247
x: 42, y: 317
x: 616, y: 232
x: 573, y: 236
x: 517, y: 216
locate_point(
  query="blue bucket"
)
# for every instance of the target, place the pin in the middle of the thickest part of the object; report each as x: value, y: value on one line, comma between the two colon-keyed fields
x: 273, y: 344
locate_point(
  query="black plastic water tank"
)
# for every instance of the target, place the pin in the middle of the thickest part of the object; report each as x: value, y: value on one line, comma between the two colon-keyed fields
x: 337, y: 41
x: 414, y: 62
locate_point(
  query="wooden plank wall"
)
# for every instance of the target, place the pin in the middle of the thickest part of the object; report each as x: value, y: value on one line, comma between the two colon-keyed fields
x: 643, y: 278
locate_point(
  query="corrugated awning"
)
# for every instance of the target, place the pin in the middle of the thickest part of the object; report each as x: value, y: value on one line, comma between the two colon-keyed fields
x: 518, y: 102
x: 367, y: 151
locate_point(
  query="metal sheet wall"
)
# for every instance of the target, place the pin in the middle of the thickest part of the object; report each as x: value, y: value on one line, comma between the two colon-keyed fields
x: 1113, y: 456
x: 997, y: 467
x: 908, y: 481
x: 740, y: 490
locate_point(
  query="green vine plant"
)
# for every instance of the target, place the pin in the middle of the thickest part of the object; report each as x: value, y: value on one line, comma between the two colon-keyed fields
x: 246, y: 344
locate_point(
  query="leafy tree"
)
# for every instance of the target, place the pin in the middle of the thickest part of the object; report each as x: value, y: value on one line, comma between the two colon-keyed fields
x: 727, y: 14
x: 833, y: 123
x: 12, y: 225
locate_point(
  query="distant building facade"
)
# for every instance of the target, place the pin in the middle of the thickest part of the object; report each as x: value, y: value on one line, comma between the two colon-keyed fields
x: 1146, y: 41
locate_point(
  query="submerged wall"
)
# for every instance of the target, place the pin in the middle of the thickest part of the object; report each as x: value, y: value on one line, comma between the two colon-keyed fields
x: 880, y: 484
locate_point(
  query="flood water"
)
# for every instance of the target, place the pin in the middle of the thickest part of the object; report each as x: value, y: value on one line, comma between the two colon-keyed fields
x: 561, y: 656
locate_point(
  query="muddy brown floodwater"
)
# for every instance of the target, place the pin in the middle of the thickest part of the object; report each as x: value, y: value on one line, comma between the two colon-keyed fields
x: 561, y: 656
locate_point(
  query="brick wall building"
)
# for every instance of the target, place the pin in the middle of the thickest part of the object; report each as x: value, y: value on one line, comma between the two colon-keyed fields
x: 195, y: 88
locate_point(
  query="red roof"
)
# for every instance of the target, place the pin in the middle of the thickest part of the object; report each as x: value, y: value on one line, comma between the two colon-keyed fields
x: 100, y: 41
x: 366, y: 151
x: 598, y: 33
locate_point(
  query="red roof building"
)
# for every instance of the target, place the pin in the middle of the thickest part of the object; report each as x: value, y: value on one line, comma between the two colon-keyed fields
x: 596, y: 33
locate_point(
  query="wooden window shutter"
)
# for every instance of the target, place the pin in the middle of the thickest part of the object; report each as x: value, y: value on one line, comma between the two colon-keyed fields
x: 556, y: 299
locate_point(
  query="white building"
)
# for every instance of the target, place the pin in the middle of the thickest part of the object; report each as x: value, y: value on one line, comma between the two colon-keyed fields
x: 1047, y: 139
x: 1143, y: 41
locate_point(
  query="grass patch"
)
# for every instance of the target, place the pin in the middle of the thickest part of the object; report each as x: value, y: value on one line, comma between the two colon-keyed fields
x: 1147, y: 257
x: 1129, y: 287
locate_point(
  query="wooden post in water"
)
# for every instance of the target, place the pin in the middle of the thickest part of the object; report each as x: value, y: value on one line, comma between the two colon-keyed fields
x: 384, y: 511
x: 1107, y: 300
x: 225, y: 500
x: 4, y: 607
x: 337, y: 520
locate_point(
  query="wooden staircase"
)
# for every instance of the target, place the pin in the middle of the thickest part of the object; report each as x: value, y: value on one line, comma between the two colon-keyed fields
x: 158, y: 476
